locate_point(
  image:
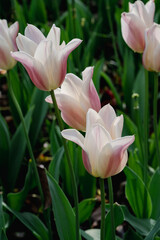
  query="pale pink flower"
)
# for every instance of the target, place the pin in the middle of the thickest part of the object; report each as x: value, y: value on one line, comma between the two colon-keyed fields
x: 75, y: 97
x: 151, y: 54
x: 134, y: 24
x: 44, y: 58
x: 104, y: 151
x: 7, y: 44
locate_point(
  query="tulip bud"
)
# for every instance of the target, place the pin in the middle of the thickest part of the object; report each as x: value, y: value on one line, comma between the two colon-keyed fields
x: 7, y: 44
x: 134, y: 24
x: 104, y: 151
x: 75, y: 97
x: 44, y: 58
x: 151, y: 60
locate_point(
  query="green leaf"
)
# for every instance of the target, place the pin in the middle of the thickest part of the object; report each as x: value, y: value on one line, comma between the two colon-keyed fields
x: 18, y: 146
x: 91, y: 234
x: 130, y: 234
x: 4, y: 143
x: 85, y: 208
x: 2, y: 221
x: 112, y: 87
x: 137, y: 194
x: 118, y: 217
x: 32, y: 222
x: 154, y: 231
x: 97, y: 73
x: 128, y: 77
x: 154, y: 193
x: 63, y: 212
x: 37, y: 11
x: 16, y: 200
x: 19, y: 15
x: 142, y: 226
x: 39, y: 113
x: 54, y: 166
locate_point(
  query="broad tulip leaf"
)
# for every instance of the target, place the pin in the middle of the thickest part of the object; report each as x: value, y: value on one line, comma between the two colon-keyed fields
x: 37, y: 11
x: 32, y: 222
x: 137, y: 194
x: 54, y: 167
x: 154, y: 192
x: 85, y: 209
x: 39, y: 113
x: 63, y: 212
x: 142, y: 226
x: 16, y: 200
x: 97, y: 73
x: 91, y: 234
x: 118, y: 218
x: 154, y: 231
x: 130, y: 234
x: 4, y: 143
x: 18, y: 146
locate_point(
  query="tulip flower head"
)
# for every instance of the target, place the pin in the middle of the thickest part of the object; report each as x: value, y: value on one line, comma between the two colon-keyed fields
x: 104, y: 151
x: 75, y: 97
x: 134, y: 24
x: 44, y: 58
x: 151, y: 59
x: 7, y: 44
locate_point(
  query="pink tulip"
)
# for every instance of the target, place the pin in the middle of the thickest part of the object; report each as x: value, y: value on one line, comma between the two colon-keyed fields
x: 104, y: 151
x: 151, y: 54
x: 134, y: 24
x: 7, y: 44
x: 44, y: 58
x: 75, y: 97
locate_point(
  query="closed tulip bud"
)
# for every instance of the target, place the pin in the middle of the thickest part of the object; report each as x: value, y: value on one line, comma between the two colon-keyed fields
x: 134, y: 24
x: 75, y: 97
x: 104, y: 151
x: 7, y: 44
x: 151, y: 59
x: 44, y: 58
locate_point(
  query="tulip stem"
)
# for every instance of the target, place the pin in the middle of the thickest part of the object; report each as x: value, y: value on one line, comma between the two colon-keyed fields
x: 27, y: 138
x: 101, y: 183
x: 74, y: 185
x: 146, y: 128
x: 155, y: 116
x: 110, y: 187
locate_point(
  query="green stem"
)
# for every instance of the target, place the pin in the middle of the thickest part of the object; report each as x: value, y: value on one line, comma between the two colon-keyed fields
x: 110, y: 21
x: 74, y: 185
x: 111, y: 207
x: 27, y: 138
x: 101, y: 182
x: 146, y: 128
x: 155, y: 116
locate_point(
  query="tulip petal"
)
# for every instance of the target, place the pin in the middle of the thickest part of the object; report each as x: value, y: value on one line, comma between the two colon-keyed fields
x: 108, y: 115
x: 92, y: 118
x: 54, y: 35
x: 150, y: 8
x: 50, y: 58
x: 74, y: 136
x: 94, y: 141
x: 6, y: 61
x: 74, y: 43
x: 86, y: 161
x: 26, y: 45
x: 133, y: 31
x: 34, y: 33
x: 89, y: 91
x: 72, y: 86
x: 71, y: 111
x: 117, y: 126
x: 13, y: 30
x: 34, y: 69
